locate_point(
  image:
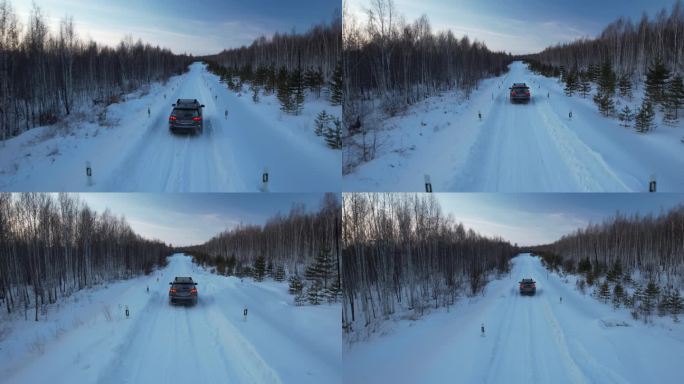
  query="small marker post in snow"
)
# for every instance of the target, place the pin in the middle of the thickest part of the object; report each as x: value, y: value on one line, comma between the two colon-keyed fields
x: 148, y: 289
x: 548, y: 95
x: 148, y: 111
x: 482, y: 329
x: 225, y: 114
x: 264, y: 180
x: 652, y: 184
x: 561, y: 299
x: 479, y: 115
x: 570, y: 115
x: 244, y: 314
x: 428, y: 184
x: 89, y: 173
x: 127, y: 312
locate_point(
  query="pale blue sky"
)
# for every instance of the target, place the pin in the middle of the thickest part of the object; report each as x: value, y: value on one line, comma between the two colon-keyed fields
x: 537, y: 218
x: 198, y: 27
x: 188, y: 219
x: 520, y: 26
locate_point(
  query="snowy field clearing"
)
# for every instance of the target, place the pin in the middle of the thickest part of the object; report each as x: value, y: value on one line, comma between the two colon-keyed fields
x: 528, y: 339
x: 531, y: 147
x: 138, y: 153
x: 89, y: 339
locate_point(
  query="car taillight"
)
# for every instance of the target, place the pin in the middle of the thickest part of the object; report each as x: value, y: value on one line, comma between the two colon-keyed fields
x: 194, y: 290
x: 172, y: 118
x: 172, y: 290
x: 527, y: 93
x: 513, y: 93
x: 196, y: 119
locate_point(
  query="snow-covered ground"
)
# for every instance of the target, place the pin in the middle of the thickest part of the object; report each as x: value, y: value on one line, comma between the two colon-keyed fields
x: 528, y: 339
x: 160, y: 343
x: 138, y: 153
x: 531, y: 147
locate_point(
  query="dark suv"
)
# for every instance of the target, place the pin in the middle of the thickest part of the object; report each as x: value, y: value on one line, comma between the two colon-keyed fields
x: 520, y: 92
x: 528, y: 287
x: 186, y: 116
x: 183, y: 290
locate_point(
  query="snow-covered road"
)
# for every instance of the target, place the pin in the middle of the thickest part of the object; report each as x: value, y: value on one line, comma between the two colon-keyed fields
x: 528, y: 339
x: 160, y: 343
x: 138, y: 153
x: 533, y: 147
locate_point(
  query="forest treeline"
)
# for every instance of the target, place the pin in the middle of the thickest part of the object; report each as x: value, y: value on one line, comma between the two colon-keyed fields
x: 629, y: 47
x: 624, y: 56
x: 644, y: 253
x: 317, y: 50
x: 46, y: 75
x: 390, y: 64
x: 402, y: 62
x: 287, y: 65
x: 302, y: 246
x: 400, y: 252
x: 653, y: 245
x: 52, y: 246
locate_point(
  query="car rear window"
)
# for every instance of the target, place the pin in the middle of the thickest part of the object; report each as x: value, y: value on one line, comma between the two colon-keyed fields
x: 183, y: 285
x: 521, y: 89
x: 186, y: 113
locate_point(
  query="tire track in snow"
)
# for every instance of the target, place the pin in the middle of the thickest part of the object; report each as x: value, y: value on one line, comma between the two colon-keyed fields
x: 579, y: 156
x: 243, y: 357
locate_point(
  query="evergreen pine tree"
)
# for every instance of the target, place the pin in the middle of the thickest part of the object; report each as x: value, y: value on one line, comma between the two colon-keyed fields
x: 626, y: 116
x: 296, y: 90
x: 618, y: 293
x: 296, y: 285
x: 309, y: 78
x: 584, y: 85
x: 593, y: 71
x: 625, y: 86
x: 674, y: 100
x: 590, y: 278
x: 650, y: 298
x: 570, y: 83
x: 603, y: 292
x: 656, y: 81
x: 336, y: 95
x: 279, y: 274
x: 643, y: 122
x: 313, y: 294
x: 321, y: 270
x: 261, y: 76
x: 676, y: 303
x: 605, y: 103
x: 663, y: 305
x: 300, y: 298
x: 269, y: 269
x: 259, y: 268
x: 283, y: 90
x: 271, y: 82
x: 321, y: 123
x: 606, y: 80
x: 335, y: 290
x: 615, y: 273
x: 638, y: 295
x: 584, y: 265
x: 333, y: 136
